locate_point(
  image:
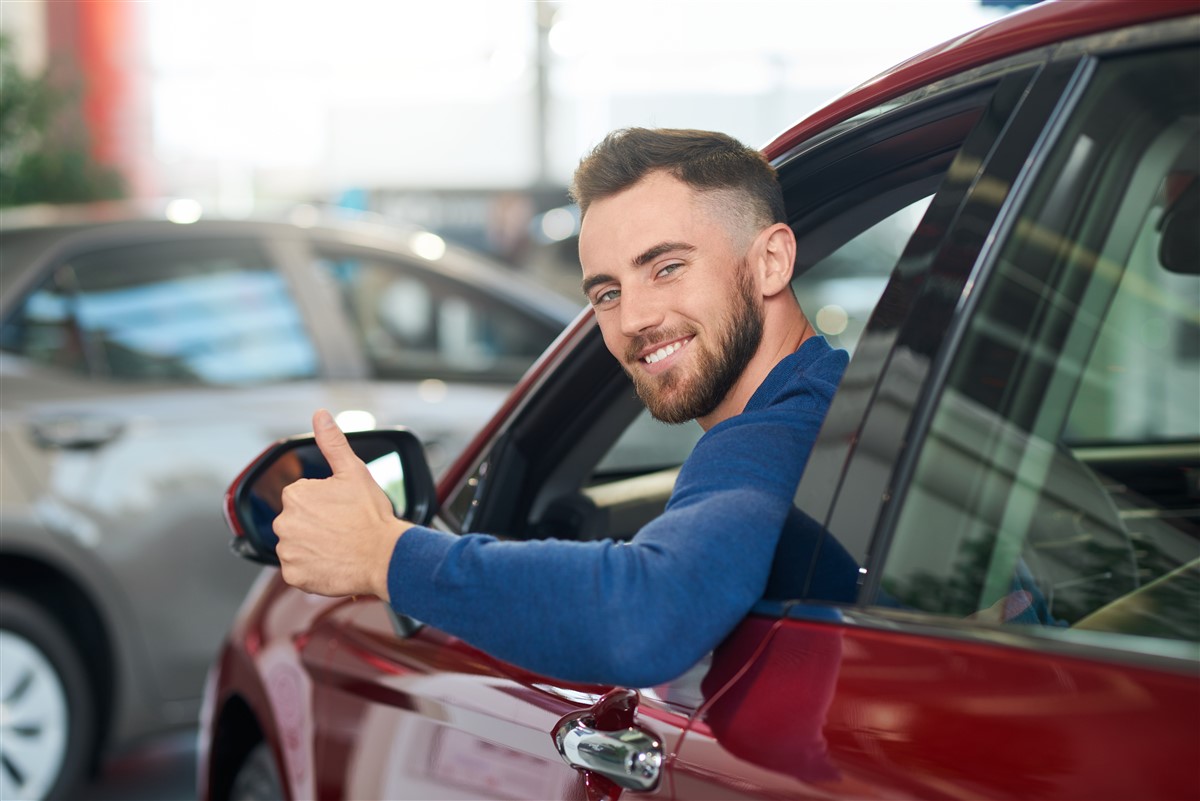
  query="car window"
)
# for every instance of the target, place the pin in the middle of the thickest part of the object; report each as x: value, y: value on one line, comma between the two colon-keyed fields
x: 839, y: 292
x: 606, y: 468
x: 639, y: 457
x: 195, y: 312
x: 414, y: 324
x: 1058, y: 483
x: 647, y: 445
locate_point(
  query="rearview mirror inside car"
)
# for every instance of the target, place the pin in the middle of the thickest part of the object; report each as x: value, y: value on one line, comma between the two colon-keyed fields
x: 1179, y: 247
x: 394, y: 456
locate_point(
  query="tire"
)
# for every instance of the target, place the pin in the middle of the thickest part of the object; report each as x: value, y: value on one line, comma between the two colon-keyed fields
x: 48, y: 725
x: 257, y: 779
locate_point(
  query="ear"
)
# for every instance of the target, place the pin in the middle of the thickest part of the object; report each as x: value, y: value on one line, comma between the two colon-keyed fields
x: 775, y: 251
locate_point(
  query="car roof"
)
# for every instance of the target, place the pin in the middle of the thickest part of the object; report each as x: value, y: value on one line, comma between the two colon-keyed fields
x: 1037, y: 26
x: 31, y: 234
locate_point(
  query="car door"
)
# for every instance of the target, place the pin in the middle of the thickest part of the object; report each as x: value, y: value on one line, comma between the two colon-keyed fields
x: 1016, y: 478
x: 409, y: 712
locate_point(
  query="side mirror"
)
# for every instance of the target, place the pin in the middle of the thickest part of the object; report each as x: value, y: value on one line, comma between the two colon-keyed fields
x: 1179, y: 248
x: 394, y: 456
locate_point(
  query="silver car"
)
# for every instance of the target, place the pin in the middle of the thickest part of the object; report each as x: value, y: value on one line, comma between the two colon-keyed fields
x: 142, y: 363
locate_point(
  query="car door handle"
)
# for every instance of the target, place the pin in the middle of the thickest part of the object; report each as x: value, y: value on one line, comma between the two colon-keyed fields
x: 629, y: 757
x: 75, y: 431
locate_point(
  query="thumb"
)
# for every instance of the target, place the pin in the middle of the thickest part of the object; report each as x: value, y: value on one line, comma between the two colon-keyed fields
x: 333, y: 444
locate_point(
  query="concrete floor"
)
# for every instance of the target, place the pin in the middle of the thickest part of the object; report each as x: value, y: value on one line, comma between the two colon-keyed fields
x: 163, y: 769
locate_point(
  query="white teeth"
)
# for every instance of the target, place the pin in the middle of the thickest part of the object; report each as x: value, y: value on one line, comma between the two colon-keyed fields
x: 664, y: 352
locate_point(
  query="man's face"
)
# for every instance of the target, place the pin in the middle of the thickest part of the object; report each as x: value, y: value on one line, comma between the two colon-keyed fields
x: 675, y: 300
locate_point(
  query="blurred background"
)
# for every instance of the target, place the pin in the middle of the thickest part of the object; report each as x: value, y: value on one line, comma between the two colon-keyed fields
x: 466, y: 117
x: 454, y: 125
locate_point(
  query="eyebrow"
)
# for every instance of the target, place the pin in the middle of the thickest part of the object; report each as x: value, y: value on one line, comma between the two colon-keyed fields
x: 592, y: 281
x: 661, y: 248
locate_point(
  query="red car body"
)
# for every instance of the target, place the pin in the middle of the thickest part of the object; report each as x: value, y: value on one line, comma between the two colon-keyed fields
x: 803, y: 700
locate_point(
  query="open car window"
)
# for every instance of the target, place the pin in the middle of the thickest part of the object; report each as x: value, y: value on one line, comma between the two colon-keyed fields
x: 585, y: 461
x: 837, y: 294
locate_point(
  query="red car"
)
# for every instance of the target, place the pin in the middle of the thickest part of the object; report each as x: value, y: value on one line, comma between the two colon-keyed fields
x: 1018, y: 211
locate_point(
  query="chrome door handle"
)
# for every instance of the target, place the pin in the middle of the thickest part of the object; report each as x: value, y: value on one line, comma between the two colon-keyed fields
x: 629, y: 757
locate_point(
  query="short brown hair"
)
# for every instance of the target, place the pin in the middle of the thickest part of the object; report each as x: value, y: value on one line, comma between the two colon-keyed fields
x: 707, y: 161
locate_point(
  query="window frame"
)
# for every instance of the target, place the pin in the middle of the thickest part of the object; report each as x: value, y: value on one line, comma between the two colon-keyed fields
x: 442, y: 285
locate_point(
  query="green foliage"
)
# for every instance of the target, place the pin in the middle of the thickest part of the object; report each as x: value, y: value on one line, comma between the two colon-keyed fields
x: 44, y: 154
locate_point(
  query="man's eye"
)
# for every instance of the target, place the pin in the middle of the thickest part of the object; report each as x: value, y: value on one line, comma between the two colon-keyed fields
x: 607, y: 296
x: 670, y: 268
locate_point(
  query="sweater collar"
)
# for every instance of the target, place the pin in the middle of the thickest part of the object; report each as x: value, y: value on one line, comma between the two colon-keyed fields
x: 781, y: 374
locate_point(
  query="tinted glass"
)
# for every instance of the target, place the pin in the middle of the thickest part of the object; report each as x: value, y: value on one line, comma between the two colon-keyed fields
x: 1058, y: 483
x: 197, y: 312
x: 414, y: 324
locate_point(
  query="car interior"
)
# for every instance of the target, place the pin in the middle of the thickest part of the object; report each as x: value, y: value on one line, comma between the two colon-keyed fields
x: 1152, y: 480
x: 1154, y: 487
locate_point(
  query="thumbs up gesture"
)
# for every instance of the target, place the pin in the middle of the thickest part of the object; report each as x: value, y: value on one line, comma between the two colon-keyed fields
x: 337, y: 534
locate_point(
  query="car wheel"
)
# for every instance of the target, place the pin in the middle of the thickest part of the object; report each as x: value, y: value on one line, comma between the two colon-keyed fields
x: 46, y: 706
x: 257, y: 779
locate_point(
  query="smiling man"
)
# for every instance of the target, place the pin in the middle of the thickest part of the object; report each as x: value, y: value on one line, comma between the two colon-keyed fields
x: 687, y: 260
x: 690, y: 281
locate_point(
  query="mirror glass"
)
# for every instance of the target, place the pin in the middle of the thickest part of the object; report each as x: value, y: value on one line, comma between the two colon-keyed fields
x: 389, y: 474
x: 263, y: 496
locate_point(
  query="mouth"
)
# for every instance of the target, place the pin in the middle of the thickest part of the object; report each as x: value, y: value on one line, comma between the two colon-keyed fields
x: 659, y: 358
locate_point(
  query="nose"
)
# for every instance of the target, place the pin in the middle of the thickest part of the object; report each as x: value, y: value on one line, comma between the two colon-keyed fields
x: 640, y: 312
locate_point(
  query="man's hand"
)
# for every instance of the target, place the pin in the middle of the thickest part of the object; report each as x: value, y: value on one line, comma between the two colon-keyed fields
x: 337, y: 534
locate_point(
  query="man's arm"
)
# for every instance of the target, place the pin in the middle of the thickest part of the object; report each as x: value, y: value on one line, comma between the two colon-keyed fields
x: 634, y: 613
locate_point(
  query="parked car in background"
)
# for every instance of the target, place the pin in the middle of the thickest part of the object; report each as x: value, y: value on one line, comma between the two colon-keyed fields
x: 142, y: 362
x: 1020, y: 406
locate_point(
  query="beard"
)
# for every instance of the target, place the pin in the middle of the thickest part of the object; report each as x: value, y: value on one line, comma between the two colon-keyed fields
x: 676, y: 397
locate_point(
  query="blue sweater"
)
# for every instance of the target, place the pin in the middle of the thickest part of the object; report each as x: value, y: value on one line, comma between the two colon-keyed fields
x: 643, y: 612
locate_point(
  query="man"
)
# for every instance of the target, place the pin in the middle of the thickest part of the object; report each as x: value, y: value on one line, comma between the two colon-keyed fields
x: 687, y: 260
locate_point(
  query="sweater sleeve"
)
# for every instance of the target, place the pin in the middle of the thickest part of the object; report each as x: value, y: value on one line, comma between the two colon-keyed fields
x: 630, y: 614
